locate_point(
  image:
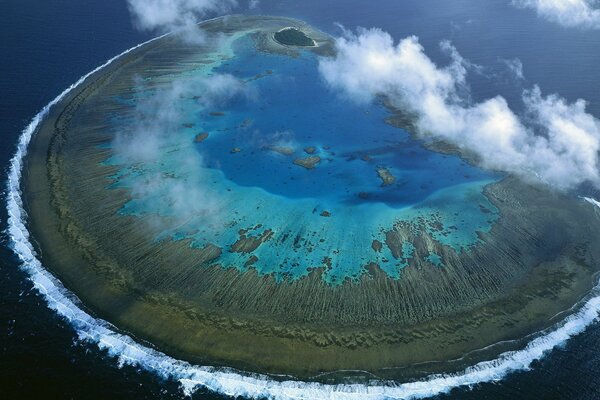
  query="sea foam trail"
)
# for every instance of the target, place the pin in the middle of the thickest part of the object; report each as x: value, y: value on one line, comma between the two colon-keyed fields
x: 231, y: 383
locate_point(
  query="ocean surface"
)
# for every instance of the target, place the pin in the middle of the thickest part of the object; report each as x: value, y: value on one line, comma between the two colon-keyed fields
x: 46, y: 46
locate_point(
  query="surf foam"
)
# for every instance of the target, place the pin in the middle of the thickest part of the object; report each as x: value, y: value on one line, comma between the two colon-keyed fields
x: 232, y: 383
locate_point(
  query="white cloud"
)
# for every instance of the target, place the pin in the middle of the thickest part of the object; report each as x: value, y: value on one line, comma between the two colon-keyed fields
x: 515, y: 66
x: 176, y: 15
x: 558, y: 145
x: 569, y: 13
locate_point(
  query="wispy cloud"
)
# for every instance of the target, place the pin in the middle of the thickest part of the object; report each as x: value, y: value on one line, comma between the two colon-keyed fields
x: 557, y: 142
x: 515, y: 67
x: 569, y: 13
x: 166, y: 170
x: 176, y: 15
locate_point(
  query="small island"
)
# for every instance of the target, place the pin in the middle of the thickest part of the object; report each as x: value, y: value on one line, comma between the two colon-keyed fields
x: 310, y: 150
x: 294, y: 37
x: 201, y: 137
x: 308, y: 162
x: 386, y: 176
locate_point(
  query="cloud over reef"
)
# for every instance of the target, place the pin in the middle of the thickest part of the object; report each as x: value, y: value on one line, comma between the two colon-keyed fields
x: 176, y: 15
x: 555, y: 142
x: 164, y: 171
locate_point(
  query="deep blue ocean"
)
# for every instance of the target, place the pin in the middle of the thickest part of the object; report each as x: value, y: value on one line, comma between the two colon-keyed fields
x: 47, y: 45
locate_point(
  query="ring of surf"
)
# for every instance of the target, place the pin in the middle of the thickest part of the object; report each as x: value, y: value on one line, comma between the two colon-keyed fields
x: 231, y: 382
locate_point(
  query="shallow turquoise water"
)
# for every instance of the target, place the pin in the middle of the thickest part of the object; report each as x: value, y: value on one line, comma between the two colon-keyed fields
x: 233, y: 180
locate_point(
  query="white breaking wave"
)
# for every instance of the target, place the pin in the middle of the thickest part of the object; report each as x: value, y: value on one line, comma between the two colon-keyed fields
x: 592, y: 201
x: 231, y: 383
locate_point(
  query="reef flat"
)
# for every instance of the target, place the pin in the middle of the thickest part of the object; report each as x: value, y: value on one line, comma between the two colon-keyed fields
x: 239, y: 258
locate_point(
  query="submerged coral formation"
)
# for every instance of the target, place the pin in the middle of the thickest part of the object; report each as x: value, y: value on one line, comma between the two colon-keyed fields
x: 371, y: 257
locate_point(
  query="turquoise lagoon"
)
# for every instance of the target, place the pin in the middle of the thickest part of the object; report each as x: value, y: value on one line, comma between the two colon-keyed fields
x: 242, y: 179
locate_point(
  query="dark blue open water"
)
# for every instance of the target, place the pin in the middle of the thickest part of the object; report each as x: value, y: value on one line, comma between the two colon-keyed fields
x: 47, y: 45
